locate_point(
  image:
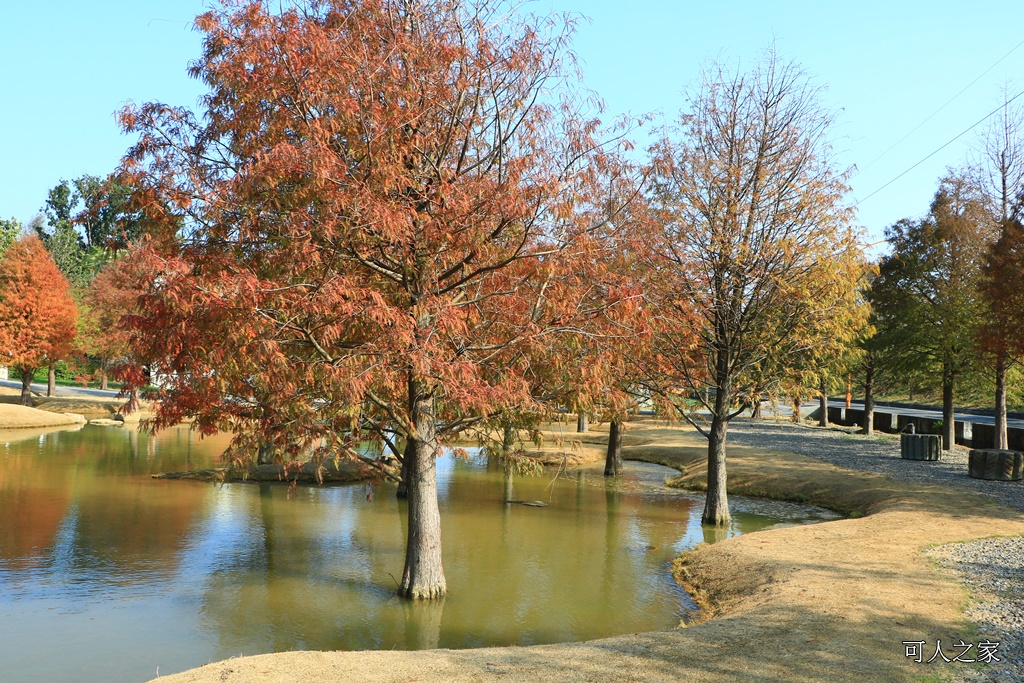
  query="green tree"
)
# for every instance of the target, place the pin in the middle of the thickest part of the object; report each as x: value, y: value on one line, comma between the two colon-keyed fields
x: 10, y: 230
x: 86, y: 221
x: 1002, y: 179
x: 927, y: 299
x: 104, y: 217
x: 60, y: 237
x: 1003, y: 292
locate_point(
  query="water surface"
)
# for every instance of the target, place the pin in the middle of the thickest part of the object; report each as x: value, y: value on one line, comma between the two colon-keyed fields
x: 109, y: 575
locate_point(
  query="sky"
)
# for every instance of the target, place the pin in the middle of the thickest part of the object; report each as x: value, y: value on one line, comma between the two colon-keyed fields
x: 887, y: 68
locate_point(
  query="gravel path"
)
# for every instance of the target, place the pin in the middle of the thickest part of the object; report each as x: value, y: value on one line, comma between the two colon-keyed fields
x: 993, y: 569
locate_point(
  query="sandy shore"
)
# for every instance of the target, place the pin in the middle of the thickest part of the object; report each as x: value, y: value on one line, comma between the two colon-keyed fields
x: 65, y: 410
x: 23, y: 417
x: 827, y: 602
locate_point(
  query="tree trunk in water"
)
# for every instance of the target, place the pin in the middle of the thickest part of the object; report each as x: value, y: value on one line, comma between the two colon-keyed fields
x: 423, y: 624
x: 508, y: 439
x: 51, y: 380
x: 822, y: 404
x: 947, y: 409
x: 582, y: 423
x: 613, y: 459
x: 508, y: 489
x: 26, y: 386
x: 716, y: 505
x: 1000, y: 435
x: 423, y: 577
x: 403, y: 485
x: 869, y: 399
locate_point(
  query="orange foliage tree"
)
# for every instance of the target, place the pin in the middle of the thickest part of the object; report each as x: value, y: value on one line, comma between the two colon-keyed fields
x: 37, y: 313
x: 371, y: 215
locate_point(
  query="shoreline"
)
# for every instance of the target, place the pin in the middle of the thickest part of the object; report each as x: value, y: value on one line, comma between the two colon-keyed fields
x: 14, y: 417
x: 829, y: 601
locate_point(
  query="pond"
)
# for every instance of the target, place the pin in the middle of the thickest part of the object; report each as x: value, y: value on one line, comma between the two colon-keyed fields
x: 109, y: 575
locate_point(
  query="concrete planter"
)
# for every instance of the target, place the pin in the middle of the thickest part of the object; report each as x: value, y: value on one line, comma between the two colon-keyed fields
x: 920, y: 446
x: 995, y: 465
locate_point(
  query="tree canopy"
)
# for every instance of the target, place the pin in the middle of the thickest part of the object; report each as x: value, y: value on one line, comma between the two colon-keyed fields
x: 372, y: 213
x: 927, y: 295
x: 37, y: 313
x: 755, y: 260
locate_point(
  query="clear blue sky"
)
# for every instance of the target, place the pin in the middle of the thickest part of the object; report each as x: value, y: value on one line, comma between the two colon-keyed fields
x: 68, y: 66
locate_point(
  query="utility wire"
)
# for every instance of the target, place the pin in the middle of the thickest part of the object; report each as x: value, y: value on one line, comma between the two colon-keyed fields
x: 947, y: 144
x: 948, y: 102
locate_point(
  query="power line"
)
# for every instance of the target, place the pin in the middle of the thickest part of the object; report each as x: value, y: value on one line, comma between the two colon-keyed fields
x: 948, y: 102
x: 947, y: 144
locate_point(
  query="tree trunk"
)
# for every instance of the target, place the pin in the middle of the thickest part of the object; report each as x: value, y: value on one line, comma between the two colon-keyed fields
x: 822, y: 404
x: 265, y: 456
x: 509, y: 481
x: 1000, y: 435
x: 582, y: 423
x: 403, y: 484
x: 849, y: 392
x: 103, y: 379
x: 947, y: 408
x: 869, y: 399
x: 26, y: 385
x: 508, y: 439
x: 613, y: 459
x: 716, y: 505
x: 796, y: 409
x: 51, y: 380
x: 423, y: 577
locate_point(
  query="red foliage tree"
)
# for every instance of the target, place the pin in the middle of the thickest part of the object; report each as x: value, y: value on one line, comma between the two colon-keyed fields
x: 101, y: 334
x: 37, y: 313
x: 370, y: 215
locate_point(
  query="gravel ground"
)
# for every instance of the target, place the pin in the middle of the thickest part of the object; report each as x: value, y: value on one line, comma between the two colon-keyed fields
x: 992, y: 569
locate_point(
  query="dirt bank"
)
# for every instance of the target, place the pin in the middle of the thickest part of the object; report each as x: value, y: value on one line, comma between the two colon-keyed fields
x: 90, y: 406
x: 828, y: 602
x: 23, y: 417
x: 558, y: 444
x: 330, y: 472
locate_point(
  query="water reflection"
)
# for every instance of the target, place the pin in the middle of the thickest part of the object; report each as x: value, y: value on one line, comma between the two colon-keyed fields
x: 94, y: 554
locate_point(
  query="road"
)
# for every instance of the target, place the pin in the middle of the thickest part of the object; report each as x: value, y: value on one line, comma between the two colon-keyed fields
x: 931, y: 414
x: 781, y: 409
x: 65, y: 392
